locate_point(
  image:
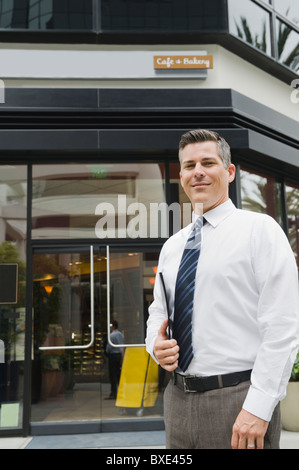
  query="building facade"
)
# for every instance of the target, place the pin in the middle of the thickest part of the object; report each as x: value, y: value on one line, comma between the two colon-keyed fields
x: 94, y: 96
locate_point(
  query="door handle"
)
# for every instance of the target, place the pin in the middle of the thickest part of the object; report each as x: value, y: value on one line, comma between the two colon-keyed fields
x: 91, y: 326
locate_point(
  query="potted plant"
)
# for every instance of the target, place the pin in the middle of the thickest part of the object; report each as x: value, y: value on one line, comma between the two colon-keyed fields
x: 290, y: 404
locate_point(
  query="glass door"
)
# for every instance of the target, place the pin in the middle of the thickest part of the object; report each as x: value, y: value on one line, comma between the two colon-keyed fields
x: 88, y: 357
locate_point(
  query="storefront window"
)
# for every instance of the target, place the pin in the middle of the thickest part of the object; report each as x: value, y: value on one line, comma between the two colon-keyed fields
x: 13, y: 201
x: 288, y: 46
x: 292, y: 196
x: 162, y: 15
x: 251, y: 23
x: 46, y: 14
x: 97, y: 200
x: 289, y: 9
x: 261, y: 193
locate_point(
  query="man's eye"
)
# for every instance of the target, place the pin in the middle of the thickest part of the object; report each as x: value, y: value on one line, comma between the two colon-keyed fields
x: 189, y: 166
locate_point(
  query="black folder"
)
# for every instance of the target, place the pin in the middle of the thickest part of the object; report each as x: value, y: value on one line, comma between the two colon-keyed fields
x: 166, y: 305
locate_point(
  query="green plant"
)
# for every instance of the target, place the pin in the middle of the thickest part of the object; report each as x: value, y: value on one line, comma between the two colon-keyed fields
x: 295, y: 370
x: 260, y: 41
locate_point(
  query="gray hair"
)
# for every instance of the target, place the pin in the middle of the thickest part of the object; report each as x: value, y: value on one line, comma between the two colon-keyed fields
x: 204, y: 135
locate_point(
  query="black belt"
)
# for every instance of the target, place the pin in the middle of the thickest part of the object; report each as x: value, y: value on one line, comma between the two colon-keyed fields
x: 191, y: 383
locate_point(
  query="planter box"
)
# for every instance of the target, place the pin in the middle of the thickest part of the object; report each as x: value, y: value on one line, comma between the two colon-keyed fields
x: 290, y: 408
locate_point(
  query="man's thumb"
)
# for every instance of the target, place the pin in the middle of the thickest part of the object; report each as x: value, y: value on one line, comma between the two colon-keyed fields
x: 163, y: 329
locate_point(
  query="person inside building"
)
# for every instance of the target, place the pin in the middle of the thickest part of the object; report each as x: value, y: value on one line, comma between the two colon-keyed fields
x: 231, y: 333
x: 115, y: 357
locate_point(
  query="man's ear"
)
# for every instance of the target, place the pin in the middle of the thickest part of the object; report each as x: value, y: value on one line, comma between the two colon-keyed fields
x: 181, y: 180
x: 231, y: 173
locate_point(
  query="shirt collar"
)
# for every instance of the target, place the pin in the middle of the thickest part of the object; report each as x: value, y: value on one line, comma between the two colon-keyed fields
x: 219, y: 213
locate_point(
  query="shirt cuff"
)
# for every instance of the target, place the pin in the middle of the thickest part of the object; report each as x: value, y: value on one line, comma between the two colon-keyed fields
x: 260, y: 404
x: 150, y: 349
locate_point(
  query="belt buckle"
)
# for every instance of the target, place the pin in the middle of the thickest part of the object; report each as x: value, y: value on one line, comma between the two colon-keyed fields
x: 186, y: 389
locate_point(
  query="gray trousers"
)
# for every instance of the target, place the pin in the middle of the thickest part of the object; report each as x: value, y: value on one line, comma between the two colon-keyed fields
x: 205, y: 420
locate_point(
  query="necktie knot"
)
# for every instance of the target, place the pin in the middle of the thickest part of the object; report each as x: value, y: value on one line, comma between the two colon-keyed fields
x: 194, y: 240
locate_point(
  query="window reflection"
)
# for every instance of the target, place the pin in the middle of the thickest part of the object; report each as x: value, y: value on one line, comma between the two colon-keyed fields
x: 46, y: 14
x: 288, y: 8
x: 96, y: 200
x: 292, y: 195
x: 177, y: 194
x: 261, y: 193
x: 251, y: 23
x: 13, y: 201
x: 161, y: 15
x: 288, y: 46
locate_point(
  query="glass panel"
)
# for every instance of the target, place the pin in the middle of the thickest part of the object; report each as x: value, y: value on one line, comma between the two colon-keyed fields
x: 70, y: 385
x: 130, y: 291
x: 251, y: 23
x: 162, y: 15
x: 292, y: 195
x: 288, y: 46
x: 6, y: 12
x: 261, y: 193
x: 46, y: 14
x: 178, y: 195
x: 13, y: 201
x: 95, y: 201
x: 289, y: 9
x: 61, y: 306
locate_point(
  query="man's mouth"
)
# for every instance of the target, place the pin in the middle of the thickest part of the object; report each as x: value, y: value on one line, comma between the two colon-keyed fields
x: 200, y: 184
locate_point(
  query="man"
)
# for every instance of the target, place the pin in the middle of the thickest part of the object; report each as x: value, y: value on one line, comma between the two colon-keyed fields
x: 115, y: 356
x: 245, y: 313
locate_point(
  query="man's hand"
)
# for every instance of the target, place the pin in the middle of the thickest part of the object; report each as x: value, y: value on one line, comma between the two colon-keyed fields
x: 248, y: 431
x: 166, y: 350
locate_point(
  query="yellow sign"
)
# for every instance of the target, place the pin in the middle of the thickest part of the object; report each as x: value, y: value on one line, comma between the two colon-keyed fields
x: 175, y: 62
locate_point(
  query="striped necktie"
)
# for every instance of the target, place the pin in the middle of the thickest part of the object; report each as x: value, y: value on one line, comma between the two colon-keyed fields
x: 184, y: 295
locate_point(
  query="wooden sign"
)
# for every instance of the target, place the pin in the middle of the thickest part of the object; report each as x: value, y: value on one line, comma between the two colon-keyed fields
x: 176, y: 62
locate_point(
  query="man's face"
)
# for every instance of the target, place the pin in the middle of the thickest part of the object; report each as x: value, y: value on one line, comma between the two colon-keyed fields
x: 203, y: 176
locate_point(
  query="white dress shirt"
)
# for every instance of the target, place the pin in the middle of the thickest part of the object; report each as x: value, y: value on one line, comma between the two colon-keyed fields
x: 246, y: 303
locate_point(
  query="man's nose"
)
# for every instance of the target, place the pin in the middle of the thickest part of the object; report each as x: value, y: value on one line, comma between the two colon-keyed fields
x: 199, y: 170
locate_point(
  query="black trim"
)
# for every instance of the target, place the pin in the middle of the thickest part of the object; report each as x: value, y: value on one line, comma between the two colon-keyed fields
x: 235, y: 188
x: 50, y: 140
x: 72, y: 245
x: 87, y: 110
x: 55, y: 125
x: 88, y: 427
x: 28, y: 323
x: 40, y: 144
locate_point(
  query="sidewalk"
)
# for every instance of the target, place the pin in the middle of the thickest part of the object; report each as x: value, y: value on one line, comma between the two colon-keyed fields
x: 118, y: 440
